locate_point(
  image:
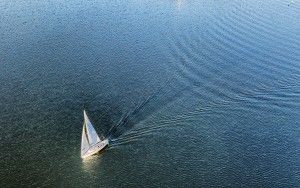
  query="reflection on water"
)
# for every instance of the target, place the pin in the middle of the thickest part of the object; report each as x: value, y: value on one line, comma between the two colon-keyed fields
x: 180, y: 4
x: 91, y: 164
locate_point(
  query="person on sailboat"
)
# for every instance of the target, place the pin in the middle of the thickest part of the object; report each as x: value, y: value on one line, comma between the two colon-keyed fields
x: 102, y: 137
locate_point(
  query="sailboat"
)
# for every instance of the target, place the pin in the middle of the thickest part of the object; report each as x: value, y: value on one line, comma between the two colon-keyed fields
x: 90, y: 141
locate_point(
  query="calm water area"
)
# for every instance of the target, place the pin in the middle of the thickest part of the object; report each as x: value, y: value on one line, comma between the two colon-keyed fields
x: 190, y: 93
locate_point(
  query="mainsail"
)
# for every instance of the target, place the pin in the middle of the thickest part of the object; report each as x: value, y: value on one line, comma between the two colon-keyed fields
x: 89, y: 135
x: 84, y: 141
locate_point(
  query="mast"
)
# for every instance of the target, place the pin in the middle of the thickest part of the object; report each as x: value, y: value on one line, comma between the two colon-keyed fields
x: 85, y: 145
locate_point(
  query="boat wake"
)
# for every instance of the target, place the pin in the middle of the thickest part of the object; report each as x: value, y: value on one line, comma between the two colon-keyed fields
x: 127, y: 117
x: 125, y: 132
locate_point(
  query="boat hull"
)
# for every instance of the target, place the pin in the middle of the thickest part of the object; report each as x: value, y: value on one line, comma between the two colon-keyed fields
x: 95, y: 148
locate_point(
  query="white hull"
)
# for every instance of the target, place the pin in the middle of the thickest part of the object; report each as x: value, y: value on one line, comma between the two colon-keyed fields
x: 95, y: 148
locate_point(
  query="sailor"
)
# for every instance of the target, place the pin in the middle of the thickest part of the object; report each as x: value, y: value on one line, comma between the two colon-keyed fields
x: 102, y: 137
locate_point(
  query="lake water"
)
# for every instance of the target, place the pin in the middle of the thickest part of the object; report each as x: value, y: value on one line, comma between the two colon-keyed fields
x: 211, y: 90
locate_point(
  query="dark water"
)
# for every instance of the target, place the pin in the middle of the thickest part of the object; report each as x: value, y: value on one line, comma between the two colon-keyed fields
x: 208, y: 91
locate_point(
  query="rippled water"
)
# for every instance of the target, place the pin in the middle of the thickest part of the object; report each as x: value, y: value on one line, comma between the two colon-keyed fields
x: 207, y: 93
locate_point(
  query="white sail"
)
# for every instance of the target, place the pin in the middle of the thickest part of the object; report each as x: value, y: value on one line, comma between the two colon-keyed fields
x: 92, y: 136
x: 84, y: 141
x: 90, y: 141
